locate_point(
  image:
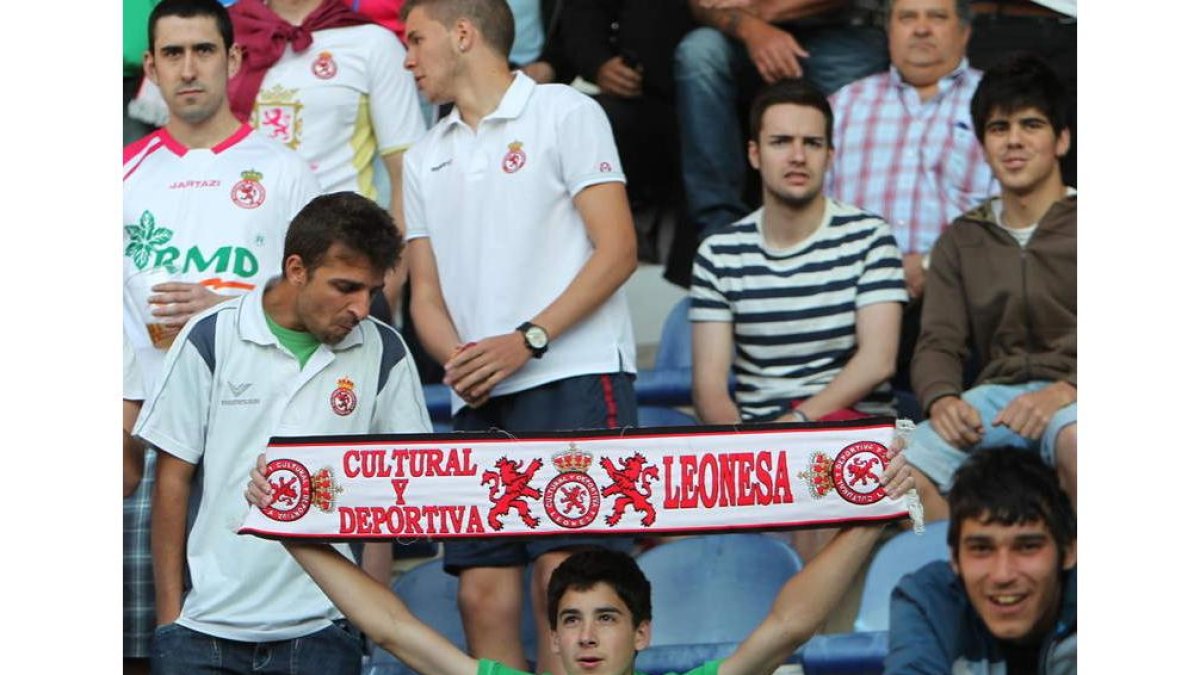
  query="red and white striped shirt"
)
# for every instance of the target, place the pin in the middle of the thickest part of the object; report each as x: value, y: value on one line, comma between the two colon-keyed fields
x: 915, y: 163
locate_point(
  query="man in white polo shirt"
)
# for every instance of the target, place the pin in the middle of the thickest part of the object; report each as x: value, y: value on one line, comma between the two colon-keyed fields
x: 297, y: 358
x: 208, y: 197
x: 520, y: 237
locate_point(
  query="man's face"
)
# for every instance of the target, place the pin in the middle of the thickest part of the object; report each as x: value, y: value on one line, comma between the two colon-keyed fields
x: 792, y: 153
x: 432, y: 56
x: 1012, y: 576
x: 1022, y: 149
x: 595, y: 634
x: 335, y: 296
x: 926, y: 40
x: 191, y: 64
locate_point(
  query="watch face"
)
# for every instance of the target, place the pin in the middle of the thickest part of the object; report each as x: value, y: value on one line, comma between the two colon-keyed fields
x: 536, y: 337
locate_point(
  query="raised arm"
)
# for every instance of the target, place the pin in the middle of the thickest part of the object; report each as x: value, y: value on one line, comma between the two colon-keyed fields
x: 376, y: 611
x: 808, y: 598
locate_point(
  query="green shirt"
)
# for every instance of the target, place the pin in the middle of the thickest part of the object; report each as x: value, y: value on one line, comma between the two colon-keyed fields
x: 487, y: 667
x: 300, y: 343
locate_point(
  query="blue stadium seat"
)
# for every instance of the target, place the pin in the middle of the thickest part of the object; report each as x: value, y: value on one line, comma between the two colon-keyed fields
x: 902, y: 554
x: 844, y: 654
x: 714, y: 588
x: 659, y: 416
x: 669, y: 382
x: 432, y: 596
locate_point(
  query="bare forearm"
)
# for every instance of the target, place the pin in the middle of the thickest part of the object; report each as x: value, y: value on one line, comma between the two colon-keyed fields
x: 715, y: 406
x: 728, y: 21
x: 775, y: 11
x: 596, y: 281
x: 862, y: 373
x: 804, y: 603
x: 376, y: 611
x: 168, y: 519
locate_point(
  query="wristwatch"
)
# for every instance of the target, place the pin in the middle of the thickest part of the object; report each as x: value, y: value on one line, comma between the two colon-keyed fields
x: 536, y: 338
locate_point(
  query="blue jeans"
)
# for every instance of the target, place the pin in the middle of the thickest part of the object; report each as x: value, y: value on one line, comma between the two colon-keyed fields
x: 938, y: 460
x: 335, y: 650
x: 714, y: 77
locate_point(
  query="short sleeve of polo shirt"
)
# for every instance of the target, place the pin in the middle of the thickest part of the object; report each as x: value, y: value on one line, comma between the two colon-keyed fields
x: 174, y: 418
x: 882, y: 278
x: 401, y: 405
x: 414, y: 203
x: 131, y: 384
x: 586, y: 149
x: 392, y: 97
x: 709, y: 301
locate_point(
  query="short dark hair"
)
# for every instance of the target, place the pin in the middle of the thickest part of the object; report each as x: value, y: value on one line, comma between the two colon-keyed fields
x: 1020, y: 81
x: 348, y: 219
x: 583, y: 570
x: 187, y: 9
x: 798, y: 92
x: 493, y: 18
x: 961, y: 7
x: 1009, y: 486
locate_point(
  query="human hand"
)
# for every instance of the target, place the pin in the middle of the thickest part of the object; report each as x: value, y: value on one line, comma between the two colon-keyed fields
x: 174, y: 302
x: 616, y: 78
x: 475, y: 368
x: 1028, y: 414
x: 258, y: 490
x: 774, y: 51
x: 897, y: 478
x: 956, y: 421
x: 539, y: 71
x: 914, y: 274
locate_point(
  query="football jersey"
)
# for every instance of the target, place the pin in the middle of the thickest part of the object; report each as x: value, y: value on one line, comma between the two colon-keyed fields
x: 339, y: 103
x: 217, y: 215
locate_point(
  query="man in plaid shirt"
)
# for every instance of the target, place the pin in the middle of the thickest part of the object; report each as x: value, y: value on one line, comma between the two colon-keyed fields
x: 906, y: 144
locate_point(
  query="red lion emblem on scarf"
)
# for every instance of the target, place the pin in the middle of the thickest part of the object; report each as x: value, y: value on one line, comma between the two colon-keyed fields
x: 631, y: 494
x: 514, y: 482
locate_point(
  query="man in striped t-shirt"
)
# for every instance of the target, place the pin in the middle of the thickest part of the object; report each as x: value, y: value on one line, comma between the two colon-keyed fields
x: 802, y: 297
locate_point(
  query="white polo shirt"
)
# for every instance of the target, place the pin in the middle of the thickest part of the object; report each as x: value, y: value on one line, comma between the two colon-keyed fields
x: 227, y: 387
x: 218, y: 214
x: 341, y: 101
x: 497, y: 206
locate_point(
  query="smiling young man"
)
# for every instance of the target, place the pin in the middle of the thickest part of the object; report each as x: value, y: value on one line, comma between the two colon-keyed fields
x: 598, y: 606
x: 519, y: 240
x: 803, y: 297
x: 1005, y: 603
x: 300, y: 357
x: 1002, y: 286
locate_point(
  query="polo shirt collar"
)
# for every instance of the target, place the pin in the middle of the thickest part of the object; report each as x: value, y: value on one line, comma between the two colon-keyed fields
x: 948, y: 80
x: 252, y: 321
x: 515, y: 98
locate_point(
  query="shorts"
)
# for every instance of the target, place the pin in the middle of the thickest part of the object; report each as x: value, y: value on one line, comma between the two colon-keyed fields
x: 575, y: 403
x: 938, y: 460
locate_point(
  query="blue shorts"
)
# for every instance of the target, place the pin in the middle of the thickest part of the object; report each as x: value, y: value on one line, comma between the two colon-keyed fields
x: 575, y: 403
x: 937, y: 459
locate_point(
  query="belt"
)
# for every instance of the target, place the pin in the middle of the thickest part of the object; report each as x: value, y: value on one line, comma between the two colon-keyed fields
x: 1024, y: 10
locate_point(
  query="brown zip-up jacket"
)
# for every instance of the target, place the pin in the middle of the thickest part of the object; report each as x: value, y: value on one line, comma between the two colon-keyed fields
x: 1015, y: 307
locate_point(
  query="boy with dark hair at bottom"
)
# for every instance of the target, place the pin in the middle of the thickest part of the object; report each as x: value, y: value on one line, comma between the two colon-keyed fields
x: 1005, y: 602
x: 598, y: 606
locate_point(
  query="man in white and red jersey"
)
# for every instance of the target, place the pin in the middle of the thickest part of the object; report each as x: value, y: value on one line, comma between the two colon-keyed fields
x: 329, y: 83
x: 208, y: 196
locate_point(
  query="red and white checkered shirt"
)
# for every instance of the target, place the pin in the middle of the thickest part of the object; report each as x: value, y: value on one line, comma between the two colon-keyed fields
x: 917, y: 164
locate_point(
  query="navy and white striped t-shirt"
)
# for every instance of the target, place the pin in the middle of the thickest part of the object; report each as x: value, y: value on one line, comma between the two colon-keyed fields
x: 793, y: 311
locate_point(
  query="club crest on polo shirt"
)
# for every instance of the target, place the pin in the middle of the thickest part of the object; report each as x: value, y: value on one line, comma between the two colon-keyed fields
x: 514, y: 159
x: 249, y: 192
x: 342, y: 400
x: 324, y: 67
x: 276, y: 113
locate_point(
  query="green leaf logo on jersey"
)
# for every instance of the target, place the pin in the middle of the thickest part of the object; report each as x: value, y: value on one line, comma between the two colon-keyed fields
x: 144, y: 239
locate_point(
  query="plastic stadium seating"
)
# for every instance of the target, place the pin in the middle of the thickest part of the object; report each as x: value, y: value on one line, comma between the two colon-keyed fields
x: 669, y: 383
x: 714, y: 588
x: 844, y: 654
x: 659, y: 416
x: 902, y: 554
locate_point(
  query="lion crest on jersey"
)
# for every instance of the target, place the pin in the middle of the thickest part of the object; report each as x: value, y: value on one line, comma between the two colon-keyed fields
x: 342, y: 400
x: 514, y: 159
x: 249, y: 192
x: 324, y: 67
x: 276, y: 113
